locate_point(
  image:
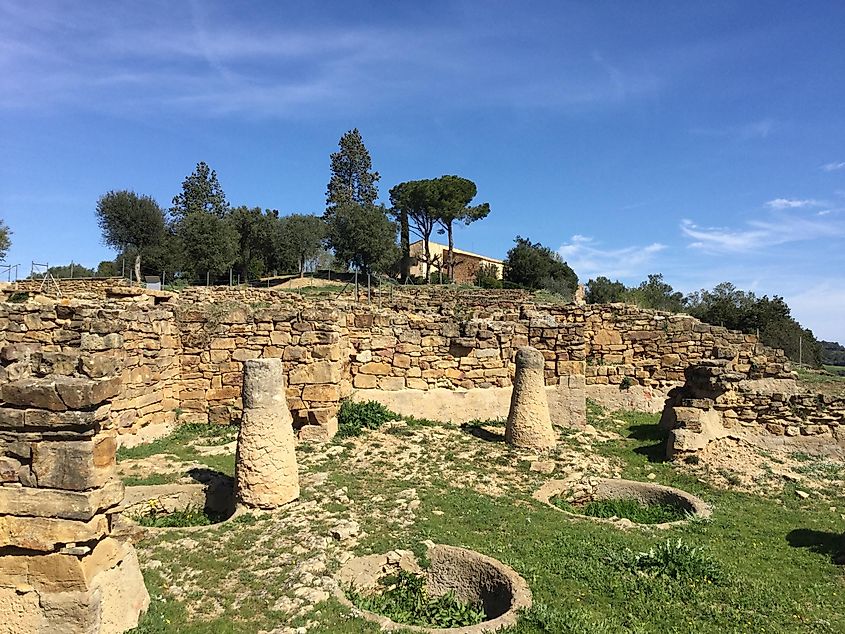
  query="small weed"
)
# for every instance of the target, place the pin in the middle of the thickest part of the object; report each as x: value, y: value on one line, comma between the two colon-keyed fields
x: 404, y: 600
x: 692, y: 459
x: 626, y: 383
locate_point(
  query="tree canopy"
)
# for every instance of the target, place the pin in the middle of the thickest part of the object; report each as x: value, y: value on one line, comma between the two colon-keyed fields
x: 363, y: 237
x: 201, y: 192
x: 602, y: 291
x: 415, y: 204
x: 301, y: 236
x: 534, y: 266
x: 5, y: 239
x: 352, y: 179
x: 453, y: 195
x: 209, y: 244
x: 130, y: 222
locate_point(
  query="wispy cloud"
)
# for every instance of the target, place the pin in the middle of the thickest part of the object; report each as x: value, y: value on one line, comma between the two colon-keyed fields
x: 759, y: 234
x: 832, y: 167
x: 760, y: 129
x: 792, y: 203
x: 589, y: 259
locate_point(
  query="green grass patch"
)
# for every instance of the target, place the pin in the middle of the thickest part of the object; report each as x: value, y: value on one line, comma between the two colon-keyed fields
x: 403, y: 599
x: 633, y: 510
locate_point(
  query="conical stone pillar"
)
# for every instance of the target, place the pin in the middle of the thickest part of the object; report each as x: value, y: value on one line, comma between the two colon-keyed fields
x: 266, y: 473
x: 529, y: 424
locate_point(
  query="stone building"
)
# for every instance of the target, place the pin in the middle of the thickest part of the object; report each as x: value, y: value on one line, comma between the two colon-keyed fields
x: 466, y: 263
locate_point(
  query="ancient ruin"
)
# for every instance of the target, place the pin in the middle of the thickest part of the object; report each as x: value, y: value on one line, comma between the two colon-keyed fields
x: 60, y: 568
x: 266, y: 474
x: 529, y: 424
x: 82, y: 373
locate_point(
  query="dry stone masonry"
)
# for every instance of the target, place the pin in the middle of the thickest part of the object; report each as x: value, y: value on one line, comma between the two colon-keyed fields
x: 266, y: 473
x: 529, y: 424
x: 60, y: 568
x: 725, y: 398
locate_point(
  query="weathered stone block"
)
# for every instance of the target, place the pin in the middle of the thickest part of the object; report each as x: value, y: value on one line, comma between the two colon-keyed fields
x: 321, y: 392
x: 376, y: 368
x: 33, y: 392
x: 317, y: 372
x: 74, y: 465
x: 79, y: 393
x: 74, y: 505
x: 364, y: 381
x: 46, y: 533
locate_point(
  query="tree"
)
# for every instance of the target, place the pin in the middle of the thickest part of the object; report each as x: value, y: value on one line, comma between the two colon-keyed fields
x: 302, y: 236
x: 602, y: 291
x: 352, y: 181
x: 256, y: 246
x: 201, y: 192
x: 209, y: 244
x: 414, y: 203
x: 129, y: 221
x: 5, y: 240
x: 453, y: 195
x: 487, y: 276
x: 656, y: 294
x: 106, y: 268
x: 363, y: 237
x: 534, y: 266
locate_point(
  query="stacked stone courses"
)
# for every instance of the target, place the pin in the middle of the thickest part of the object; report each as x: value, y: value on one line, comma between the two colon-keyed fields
x: 182, y: 354
x: 60, y: 570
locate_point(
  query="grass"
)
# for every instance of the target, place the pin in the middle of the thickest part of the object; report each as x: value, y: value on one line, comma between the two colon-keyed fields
x: 761, y: 565
x: 633, y: 510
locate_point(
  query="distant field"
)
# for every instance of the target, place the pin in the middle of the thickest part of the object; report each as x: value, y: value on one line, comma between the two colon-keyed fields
x: 835, y: 369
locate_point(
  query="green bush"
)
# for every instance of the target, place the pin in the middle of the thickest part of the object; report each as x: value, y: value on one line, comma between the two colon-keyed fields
x: 673, y: 560
x: 404, y: 600
x: 354, y: 418
x: 626, y: 383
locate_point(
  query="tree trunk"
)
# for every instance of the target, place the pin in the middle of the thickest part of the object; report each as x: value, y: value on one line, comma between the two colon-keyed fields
x: 427, y: 260
x: 405, y: 244
x: 138, y: 268
x: 450, y: 268
x: 301, y: 266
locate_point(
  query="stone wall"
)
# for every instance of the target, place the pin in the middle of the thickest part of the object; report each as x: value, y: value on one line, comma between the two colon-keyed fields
x: 182, y: 354
x: 60, y: 569
x: 70, y: 287
x: 725, y: 399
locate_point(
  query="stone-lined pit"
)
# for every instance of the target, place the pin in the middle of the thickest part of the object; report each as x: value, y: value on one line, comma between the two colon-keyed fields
x: 215, y: 498
x: 645, y: 493
x: 473, y: 577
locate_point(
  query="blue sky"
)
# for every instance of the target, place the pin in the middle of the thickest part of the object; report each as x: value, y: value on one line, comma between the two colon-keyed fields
x: 702, y: 140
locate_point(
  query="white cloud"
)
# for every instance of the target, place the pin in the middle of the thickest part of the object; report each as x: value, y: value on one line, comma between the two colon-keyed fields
x: 791, y: 203
x: 832, y: 167
x: 759, y: 234
x: 588, y: 259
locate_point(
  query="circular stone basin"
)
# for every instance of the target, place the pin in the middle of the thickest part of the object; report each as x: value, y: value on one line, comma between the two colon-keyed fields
x: 473, y: 577
x: 215, y: 499
x: 617, y: 489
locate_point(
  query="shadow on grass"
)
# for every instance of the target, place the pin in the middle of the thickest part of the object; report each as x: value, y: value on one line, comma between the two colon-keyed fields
x: 204, y: 476
x: 821, y: 542
x: 655, y: 452
x: 479, y: 431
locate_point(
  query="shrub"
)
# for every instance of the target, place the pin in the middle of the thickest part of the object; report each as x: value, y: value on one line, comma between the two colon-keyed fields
x: 404, y: 600
x: 354, y: 418
x: 626, y: 383
x: 673, y: 560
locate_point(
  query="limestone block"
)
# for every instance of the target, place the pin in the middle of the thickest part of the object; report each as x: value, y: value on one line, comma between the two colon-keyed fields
x: 317, y: 372
x: 364, y: 381
x: 11, y: 418
x: 33, y: 392
x: 79, y: 393
x: 74, y: 505
x: 379, y: 369
x: 74, y: 465
x: 529, y: 424
x: 321, y: 392
x: 45, y: 533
